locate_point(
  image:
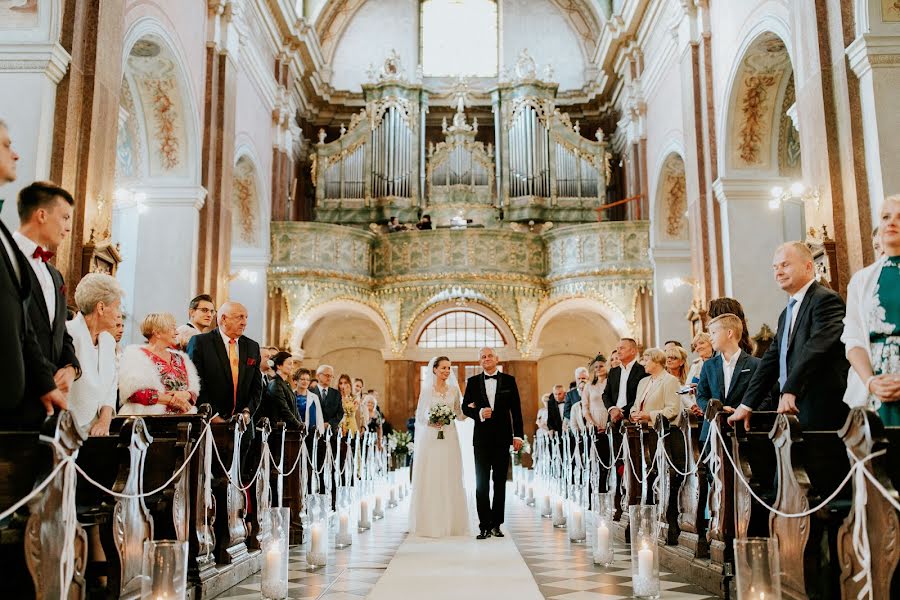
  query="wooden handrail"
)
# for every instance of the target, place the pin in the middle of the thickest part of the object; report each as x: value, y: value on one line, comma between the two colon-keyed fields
x: 600, y: 209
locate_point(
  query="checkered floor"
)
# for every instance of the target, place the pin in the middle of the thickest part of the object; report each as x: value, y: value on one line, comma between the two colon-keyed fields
x: 563, y: 570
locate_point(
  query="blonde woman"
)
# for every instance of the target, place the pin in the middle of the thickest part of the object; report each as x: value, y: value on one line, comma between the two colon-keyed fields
x: 702, y: 345
x: 595, y: 413
x: 154, y: 379
x: 676, y: 363
x: 658, y: 393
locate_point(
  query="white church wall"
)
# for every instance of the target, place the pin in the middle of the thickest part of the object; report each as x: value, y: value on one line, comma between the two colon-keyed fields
x: 539, y: 27
x: 376, y: 29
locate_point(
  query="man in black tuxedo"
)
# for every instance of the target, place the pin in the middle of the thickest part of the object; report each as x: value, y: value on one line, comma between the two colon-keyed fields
x: 492, y: 402
x: 21, y: 360
x: 806, y: 358
x: 228, y: 364
x: 622, y: 382
x: 556, y: 409
x: 727, y: 375
x: 45, y: 217
x: 329, y: 398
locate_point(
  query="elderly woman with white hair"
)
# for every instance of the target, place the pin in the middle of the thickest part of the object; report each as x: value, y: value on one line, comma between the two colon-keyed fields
x: 155, y: 379
x: 92, y: 397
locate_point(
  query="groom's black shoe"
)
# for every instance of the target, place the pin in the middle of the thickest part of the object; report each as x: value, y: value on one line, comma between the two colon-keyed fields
x: 495, y: 532
x: 483, y: 534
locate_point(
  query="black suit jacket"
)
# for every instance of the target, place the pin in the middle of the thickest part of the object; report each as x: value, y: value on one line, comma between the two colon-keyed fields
x: 332, y: 408
x: 208, y: 352
x: 281, y: 403
x: 816, y: 364
x: 505, y: 423
x: 554, y: 420
x: 21, y: 359
x: 712, y: 383
x: 53, y: 339
x: 573, y: 397
x: 611, y: 391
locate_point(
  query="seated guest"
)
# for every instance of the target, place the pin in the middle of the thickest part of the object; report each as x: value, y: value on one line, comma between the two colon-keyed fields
x: 592, y: 407
x: 872, y: 325
x: 92, y: 398
x: 658, y: 393
x: 228, y: 362
x: 154, y: 379
x: 726, y: 375
x: 281, y: 399
x: 308, y: 406
x: 676, y: 359
x: 201, y: 312
x: 541, y: 420
x: 574, y: 393
x: 555, y: 407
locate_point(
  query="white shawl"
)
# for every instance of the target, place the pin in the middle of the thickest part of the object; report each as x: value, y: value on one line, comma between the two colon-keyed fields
x: 861, y: 302
x: 137, y: 372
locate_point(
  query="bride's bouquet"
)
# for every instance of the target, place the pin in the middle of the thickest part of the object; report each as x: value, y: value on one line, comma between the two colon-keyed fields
x: 440, y: 414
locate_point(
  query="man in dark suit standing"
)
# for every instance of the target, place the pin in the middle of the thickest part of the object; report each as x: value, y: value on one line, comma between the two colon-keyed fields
x: 329, y: 398
x: 556, y: 408
x: 20, y: 354
x: 45, y: 217
x: 573, y: 396
x: 492, y: 401
x: 228, y: 364
x: 806, y: 358
x: 622, y: 382
x: 726, y: 376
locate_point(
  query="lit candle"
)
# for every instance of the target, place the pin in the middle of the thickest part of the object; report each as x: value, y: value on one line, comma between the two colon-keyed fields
x: 378, y: 506
x: 273, y: 563
x: 344, y: 523
x: 602, y: 539
x: 559, y: 506
x: 393, y: 496
x: 364, y: 513
x: 645, y: 561
x: 577, y: 516
x: 530, y: 492
x: 316, y: 539
x: 545, y: 508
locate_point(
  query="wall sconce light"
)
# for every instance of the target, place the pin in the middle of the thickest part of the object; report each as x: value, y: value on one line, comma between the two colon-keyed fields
x: 247, y: 275
x: 673, y: 283
x: 128, y: 196
x: 797, y: 191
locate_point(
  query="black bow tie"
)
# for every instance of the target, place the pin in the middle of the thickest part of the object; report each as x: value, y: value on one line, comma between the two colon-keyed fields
x: 495, y: 376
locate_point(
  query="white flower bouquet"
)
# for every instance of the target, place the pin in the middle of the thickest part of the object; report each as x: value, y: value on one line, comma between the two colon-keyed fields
x: 440, y: 414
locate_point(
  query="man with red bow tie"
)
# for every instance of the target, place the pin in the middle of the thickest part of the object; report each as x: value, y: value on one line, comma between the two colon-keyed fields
x: 45, y: 217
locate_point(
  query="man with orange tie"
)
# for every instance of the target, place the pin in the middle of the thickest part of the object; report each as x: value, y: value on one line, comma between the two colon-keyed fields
x: 228, y: 364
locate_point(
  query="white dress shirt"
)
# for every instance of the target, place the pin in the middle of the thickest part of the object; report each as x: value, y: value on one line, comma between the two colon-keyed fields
x: 99, y: 379
x: 799, y: 296
x: 490, y: 388
x: 622, y: 400
x: 27, y: 246
x: 728, y: 368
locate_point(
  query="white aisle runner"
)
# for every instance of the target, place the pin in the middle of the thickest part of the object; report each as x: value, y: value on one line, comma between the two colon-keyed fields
x: 457, y: 569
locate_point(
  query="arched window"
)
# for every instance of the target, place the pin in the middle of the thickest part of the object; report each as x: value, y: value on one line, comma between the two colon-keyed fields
x: 459, y: 37
x: 460, y: 329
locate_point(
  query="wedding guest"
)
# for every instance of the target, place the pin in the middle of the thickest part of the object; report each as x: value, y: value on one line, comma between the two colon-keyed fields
x: 672, y: 344
x: 92, y: 398
x: 702, y: 345
x: 281, y: 399
x: 574, y: 394
x: 201, y: 312
x: 613, y: 360
x: 592, y: 407
x: 872, y: 325
x: 876, y: 243
x: 330, y: 398
x: 353, y: 420
x: 394, y: 225
x: 374, y: 420
x: 30, y: 391
x: 576, y: 417
x: 358, y: 385
x: 266, y: 366
x: 555, y: 407
x: 118, y: 330
x: 308, y: 406
x: 228, y: 361
x: 676, y: 359
x: 658, y: 393
x: 424, y: 223
x: 45, y: 215
x: 723, y: 306
x: 621, y: 389
x: 541, y: 420
x: 154, y: 379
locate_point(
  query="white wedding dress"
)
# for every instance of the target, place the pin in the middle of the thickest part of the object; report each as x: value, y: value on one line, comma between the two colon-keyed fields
x: 439, y: 503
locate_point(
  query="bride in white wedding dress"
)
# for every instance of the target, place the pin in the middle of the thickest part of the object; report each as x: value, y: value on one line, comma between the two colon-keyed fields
x: 439, y: 505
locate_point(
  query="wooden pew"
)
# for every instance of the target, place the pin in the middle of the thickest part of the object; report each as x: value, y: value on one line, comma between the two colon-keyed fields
x: 692, y: 492
x: 613, y: 481
x: 754, y: 453
x: 120, y: 526
x: 668, y: 481
x: 260, y: 494
x: 811, y: 465
x: 631, y: 459
x: 291, y: 441
x: 32, y: 541
x: 864, y: 434
x: 231, y: 528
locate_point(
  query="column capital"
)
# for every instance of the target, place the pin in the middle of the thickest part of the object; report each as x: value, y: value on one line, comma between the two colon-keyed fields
x: 50, y: 59
x: 869, y: 51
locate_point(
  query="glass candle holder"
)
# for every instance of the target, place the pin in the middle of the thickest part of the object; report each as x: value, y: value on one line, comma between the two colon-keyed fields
x: 644, y: 520
x: 317, y: 540
x: 603, y: 540
x: 392, y: 496
x: 364, y: 522
x: 274, y: 575
x: 757, y: 569
x: 559, y: 512
x: 165, y: 570
x: 529, y: 498
x: 378, y: 508
x: 547, y: 506
x: 575, y: 520
x: 343, y: 505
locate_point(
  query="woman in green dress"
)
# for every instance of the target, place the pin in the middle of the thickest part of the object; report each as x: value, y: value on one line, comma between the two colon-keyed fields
x: 872, y: 325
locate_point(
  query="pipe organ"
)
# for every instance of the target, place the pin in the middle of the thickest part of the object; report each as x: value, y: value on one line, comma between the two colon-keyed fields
x: 378, y: 167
